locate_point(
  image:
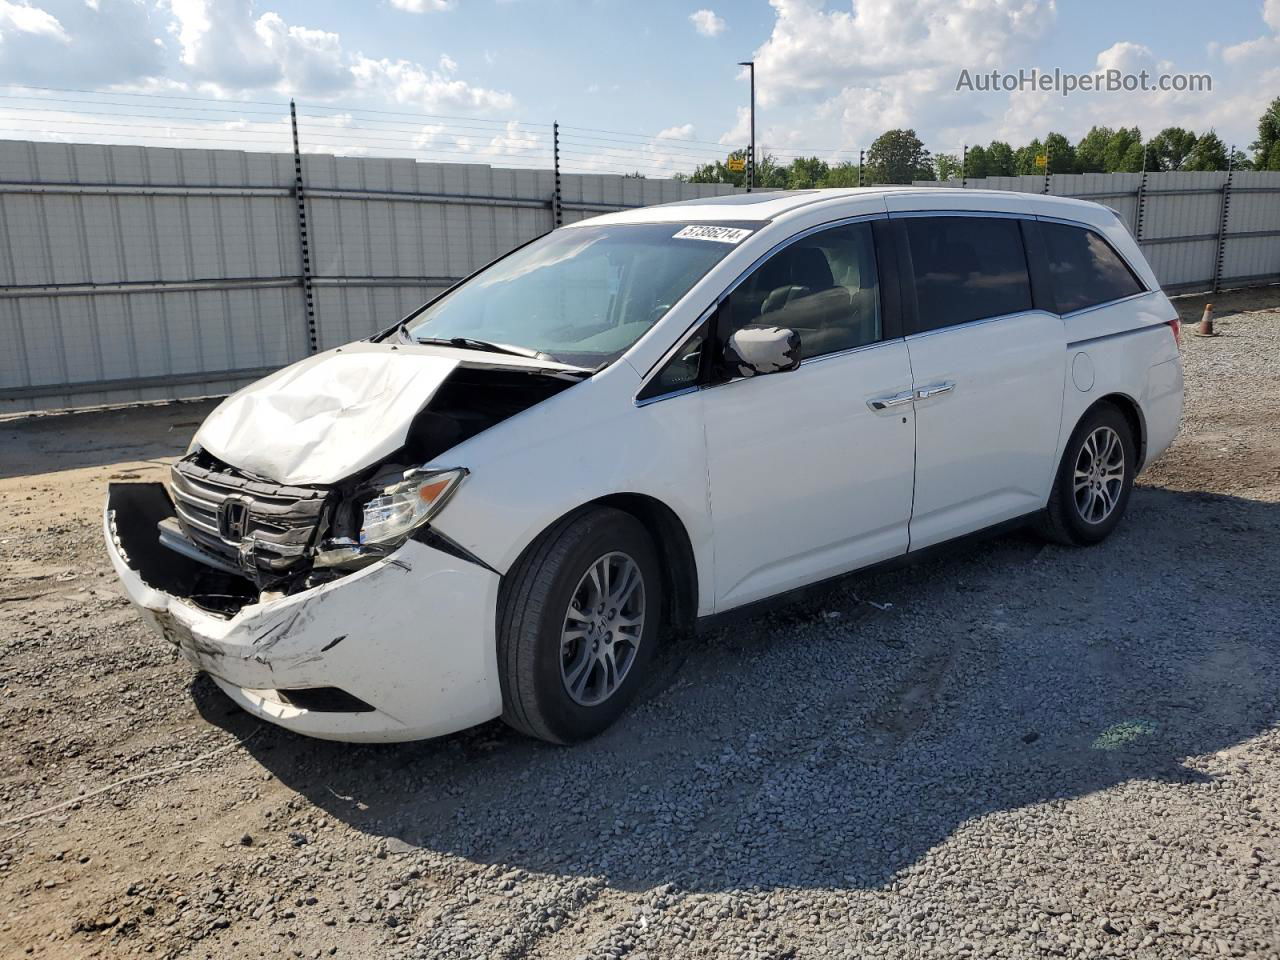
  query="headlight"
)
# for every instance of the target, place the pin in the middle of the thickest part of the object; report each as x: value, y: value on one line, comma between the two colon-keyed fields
x: 403, y: 507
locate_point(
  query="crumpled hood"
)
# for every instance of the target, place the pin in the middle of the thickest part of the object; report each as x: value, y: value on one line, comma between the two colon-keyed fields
x: 326, y: 417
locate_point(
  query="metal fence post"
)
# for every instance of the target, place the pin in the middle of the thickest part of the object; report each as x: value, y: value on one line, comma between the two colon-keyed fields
x: 1223, y: 214
x: 557, y: 208
x: 304, y: 245
x: 1142, y: 206
x: 861, y: 153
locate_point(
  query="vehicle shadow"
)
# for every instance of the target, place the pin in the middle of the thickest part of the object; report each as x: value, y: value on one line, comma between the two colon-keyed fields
x: 836, y: 744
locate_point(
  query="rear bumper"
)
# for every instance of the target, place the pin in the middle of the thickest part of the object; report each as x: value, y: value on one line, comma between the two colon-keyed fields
x: 412, y: 636
x: 1162, y: 407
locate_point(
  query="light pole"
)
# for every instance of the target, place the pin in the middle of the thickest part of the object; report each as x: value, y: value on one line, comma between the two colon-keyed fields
x: 751, y: 157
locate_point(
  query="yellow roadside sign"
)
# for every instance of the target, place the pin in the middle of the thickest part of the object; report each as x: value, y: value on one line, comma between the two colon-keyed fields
x: 1042, y: 160
x: 737, y: 164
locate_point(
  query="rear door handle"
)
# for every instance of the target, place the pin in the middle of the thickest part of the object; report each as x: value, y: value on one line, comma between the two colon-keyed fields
x: 888, y: 403
x: 935, y: 390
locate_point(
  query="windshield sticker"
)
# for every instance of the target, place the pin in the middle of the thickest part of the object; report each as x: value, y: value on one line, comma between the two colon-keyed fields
x: 711, y: 232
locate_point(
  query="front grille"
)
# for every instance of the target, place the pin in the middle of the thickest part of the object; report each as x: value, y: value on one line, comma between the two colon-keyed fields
x: 265, y: 529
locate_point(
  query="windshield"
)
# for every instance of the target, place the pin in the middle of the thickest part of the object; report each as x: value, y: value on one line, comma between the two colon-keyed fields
x: 582, y: 295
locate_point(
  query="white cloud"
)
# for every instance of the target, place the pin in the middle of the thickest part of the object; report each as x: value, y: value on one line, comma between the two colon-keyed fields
x: 24, y: 18
x: 223, y: 45
x: 1264, y: 46
x: 684, y: 131
x: 840, y: 77
x: 707, y: 23
x: 433, y: 90
x: 423, y: 6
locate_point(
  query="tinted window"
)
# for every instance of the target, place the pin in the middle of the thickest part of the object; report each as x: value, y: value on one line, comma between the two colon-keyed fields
x: 967, y: 268
x: 681, y: 371
x: 823, y: 287
x: 1084, y: 268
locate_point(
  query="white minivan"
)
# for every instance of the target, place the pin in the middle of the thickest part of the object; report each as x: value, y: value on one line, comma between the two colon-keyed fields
x: 636, y: 424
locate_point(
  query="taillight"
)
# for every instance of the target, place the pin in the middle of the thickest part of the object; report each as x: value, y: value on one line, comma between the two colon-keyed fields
x: 1176, y: 326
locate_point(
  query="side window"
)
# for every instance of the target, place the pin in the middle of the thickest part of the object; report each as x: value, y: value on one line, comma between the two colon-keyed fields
x: 1085, y: 270
x: 823, y: 287
x: 681, y: 370
x: 967, y: 268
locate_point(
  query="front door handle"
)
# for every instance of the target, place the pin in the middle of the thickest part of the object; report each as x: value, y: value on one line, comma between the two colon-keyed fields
x: 935, y: 390
x: 888, y: 403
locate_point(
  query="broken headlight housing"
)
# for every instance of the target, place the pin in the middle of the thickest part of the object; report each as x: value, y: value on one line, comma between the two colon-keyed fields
x: 401, y: 508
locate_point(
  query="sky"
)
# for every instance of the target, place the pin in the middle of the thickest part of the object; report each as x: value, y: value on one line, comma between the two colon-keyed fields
x: 652, y: 87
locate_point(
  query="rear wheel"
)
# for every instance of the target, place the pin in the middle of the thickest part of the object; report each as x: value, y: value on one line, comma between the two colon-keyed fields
x: 577, y: 625
x: 1094, y: 479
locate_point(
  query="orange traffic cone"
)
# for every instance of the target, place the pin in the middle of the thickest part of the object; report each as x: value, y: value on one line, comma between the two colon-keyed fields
x: 1206, y: 325
x: 1206, y: 322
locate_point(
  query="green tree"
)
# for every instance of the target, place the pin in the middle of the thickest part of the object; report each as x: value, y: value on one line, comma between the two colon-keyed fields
x: 976, y: 163
x: 1266, y: 149
x: 1024, y: 158
x: 1091, y: 151
x: 1171, y: 147
x: 1240, y: 160
x: 1207, y: 153
x: 946, y: 166
x: 718, y: 172
x: 1000, y: 160
x: 1062, y: 155
x: 1118, y: 155
x: 841, y: 175
x: 898, y: 156
x: 806, y: 173
x: 768, y: 173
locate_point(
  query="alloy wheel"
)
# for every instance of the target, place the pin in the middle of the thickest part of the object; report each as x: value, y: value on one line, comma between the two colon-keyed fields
x: 602, y: 629
x: 1099, y: 475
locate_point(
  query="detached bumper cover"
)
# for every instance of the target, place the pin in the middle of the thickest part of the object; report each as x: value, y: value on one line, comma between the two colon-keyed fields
x: 412, y: 636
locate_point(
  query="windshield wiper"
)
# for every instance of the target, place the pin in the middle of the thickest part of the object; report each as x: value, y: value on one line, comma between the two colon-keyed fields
x: 471, y: 343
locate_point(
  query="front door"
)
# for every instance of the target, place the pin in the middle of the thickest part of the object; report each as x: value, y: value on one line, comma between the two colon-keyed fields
x: 810, y: 471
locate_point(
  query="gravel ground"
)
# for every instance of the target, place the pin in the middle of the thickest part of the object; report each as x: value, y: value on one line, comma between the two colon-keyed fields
x: 1019, y: 751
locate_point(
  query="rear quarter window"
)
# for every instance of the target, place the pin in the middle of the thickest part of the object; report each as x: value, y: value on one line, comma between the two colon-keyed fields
x: 1084, y: 269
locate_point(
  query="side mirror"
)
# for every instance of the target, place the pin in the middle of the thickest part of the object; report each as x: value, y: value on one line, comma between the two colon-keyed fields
x: 757, y: 349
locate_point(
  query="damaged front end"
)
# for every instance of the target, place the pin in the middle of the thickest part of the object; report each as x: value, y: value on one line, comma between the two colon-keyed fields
x: 329, y: 606
x: 234, y: 538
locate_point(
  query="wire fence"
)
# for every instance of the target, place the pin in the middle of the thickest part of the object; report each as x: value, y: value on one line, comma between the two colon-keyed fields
x: 148, y: 118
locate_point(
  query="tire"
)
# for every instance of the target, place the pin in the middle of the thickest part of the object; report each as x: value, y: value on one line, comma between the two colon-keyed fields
x: 538, y: 665
x: 1088, y: 518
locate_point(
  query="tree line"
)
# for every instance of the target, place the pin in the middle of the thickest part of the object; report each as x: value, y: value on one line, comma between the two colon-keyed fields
x: 899, y: 156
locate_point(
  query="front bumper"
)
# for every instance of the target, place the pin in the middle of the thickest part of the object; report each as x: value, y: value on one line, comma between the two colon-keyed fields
x: 412, y: 636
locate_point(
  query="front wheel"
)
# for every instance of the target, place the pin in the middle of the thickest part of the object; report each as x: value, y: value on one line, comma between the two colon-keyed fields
x: 578, y: 622
x: 1094, y: 479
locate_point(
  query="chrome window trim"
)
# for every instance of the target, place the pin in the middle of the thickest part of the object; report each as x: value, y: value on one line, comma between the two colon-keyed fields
x: 982, y: 320
x: 705, y: 315
x: 1108, y: 303
x: 681, y: 392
